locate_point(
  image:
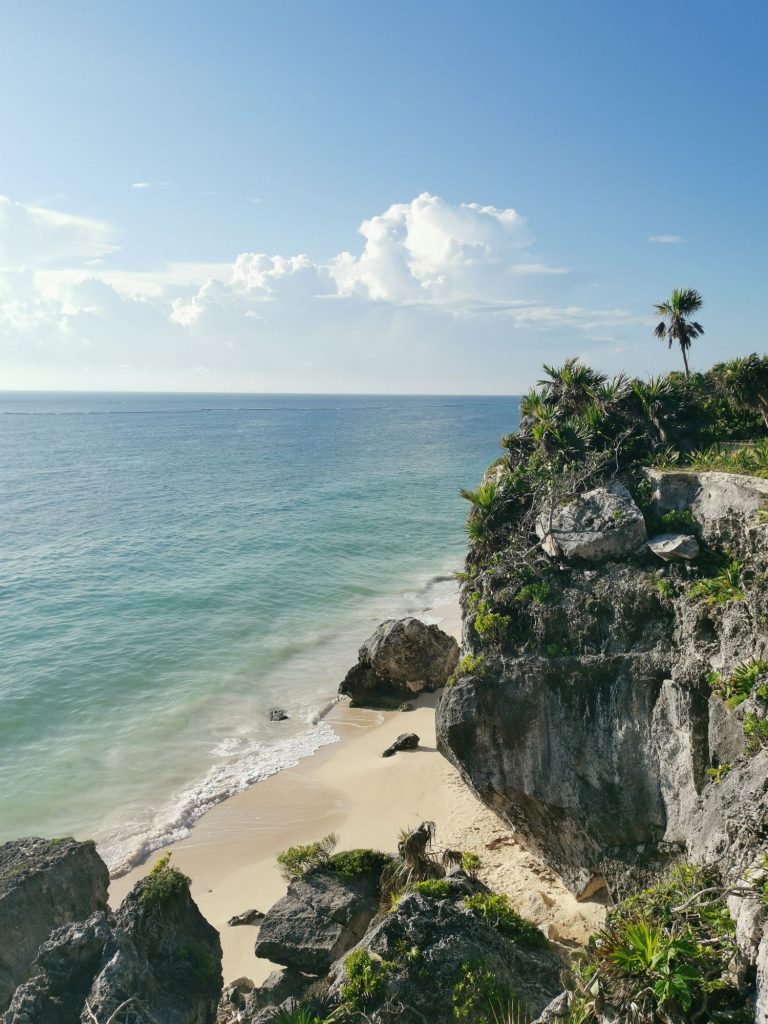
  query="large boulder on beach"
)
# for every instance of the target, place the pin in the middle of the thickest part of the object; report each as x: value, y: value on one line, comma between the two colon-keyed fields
x: 43, y: 884
x: 597, y: 526
x: 319, y: 919
x: 401, y: 658
x: 427, y: 947
x: 156, y: 959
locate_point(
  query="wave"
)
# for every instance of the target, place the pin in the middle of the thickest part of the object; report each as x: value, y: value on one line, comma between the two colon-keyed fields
x: 137, y: 839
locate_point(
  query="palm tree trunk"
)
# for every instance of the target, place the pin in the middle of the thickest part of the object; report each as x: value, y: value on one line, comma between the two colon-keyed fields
x: 685, y: 360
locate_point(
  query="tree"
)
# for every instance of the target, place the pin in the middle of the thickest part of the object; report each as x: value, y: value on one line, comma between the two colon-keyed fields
x: 676, y: 325
x: 744, y: 382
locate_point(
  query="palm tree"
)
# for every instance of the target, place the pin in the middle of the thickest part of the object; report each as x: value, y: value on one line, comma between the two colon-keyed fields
x: 676, y: 325
x: 571, y: 386
x: 744, y: 382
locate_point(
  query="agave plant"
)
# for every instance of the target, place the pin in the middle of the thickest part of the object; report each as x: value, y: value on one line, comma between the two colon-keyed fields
x: 676, y: 324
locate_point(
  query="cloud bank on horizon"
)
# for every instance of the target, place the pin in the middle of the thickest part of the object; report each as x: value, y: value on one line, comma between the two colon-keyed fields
x: 437, y: 295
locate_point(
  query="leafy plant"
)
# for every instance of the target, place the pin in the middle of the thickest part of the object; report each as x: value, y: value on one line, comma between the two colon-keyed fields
x: 756, y: 729
x: 737, y: 687
x: 470, y: 863
x: 495, y: 910
x: 469, y: 665
x: 351, y: 864
x: 432, y: 888
x: 365, y: 979
x: 721, y: 589
x: 298, y: 861
x: 479, y: 998
x: 163, y: 884
x: 534, y: 593
x: 665, y: 589
x: 490, y: 626
x: 718, y: 773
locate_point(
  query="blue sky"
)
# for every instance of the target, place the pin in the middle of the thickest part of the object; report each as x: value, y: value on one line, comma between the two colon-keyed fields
x: 261, y: 130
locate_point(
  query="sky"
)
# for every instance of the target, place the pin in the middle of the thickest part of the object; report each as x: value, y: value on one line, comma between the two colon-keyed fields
x: 408, y: 197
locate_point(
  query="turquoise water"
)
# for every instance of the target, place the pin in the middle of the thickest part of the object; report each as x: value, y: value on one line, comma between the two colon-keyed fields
x: 172, y: 567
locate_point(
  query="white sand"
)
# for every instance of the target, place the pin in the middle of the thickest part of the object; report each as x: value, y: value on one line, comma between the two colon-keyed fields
x: 349, y: 789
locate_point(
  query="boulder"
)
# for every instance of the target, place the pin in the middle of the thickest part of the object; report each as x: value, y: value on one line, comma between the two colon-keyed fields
x: 286, y: 983
x: 402, y: 658
x: 674, y: 547
x: 320, y: 917
x: 278, y: 715
x: 405, y: 741
x: 761, y: 1001
x: 247, y: 917
x: 428, y: 943
x: 159, y: 957
x: 597, y: 526
x: 43, y: 884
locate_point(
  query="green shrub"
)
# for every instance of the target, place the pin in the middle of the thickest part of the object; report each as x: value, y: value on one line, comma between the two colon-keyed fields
x: 664, y: 954
x: 721, y: 589
x: 351, y: 864
x: 495, y: 910
x: 718, y: 773
x: 433, y: 888
x: 737, y: 687
x: 469, y: 665
x: 480, y: 999
x: 756, y: 729
x: 298, y: 861
x: 470, y: 863
x: 665, y: 589
x: 163, y: 884
x: 534, y: 593
x: 491, y: 626
x: 365, y: 979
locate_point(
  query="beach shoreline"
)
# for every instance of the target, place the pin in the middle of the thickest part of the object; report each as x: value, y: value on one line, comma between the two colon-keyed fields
x: 349, y: 789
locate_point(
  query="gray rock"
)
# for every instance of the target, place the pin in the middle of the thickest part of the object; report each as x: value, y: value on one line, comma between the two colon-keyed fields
x: 598, y: 525
x: 319, y: 918
x: 43, y: 884
x: 286, y: 983
x: 674, y: 547
x: 278, y: 715
x: 405, y: 741
x: 402, y: 658
x: 445, y: 936
x: 247, y: 917
x: 761, y: 984
x: 161, y: 961
x: 557, y: 1010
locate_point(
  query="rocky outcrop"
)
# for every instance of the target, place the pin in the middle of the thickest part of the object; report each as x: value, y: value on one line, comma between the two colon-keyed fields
x: 601, y: 524
x: 402, y: 658
x: 43, y: 884
x: 319, y: 918
x: 428, y: 945
x: 157, y: 958
x: 591, y: 725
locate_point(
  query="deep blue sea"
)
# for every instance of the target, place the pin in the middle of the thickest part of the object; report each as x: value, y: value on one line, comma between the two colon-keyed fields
x: 174, y: 566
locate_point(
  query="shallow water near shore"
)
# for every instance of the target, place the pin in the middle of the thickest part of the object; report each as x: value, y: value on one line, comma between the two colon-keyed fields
x: 173, y: 566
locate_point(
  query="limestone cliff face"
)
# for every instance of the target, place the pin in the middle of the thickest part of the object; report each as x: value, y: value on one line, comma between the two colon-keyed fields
x: 590, y: 725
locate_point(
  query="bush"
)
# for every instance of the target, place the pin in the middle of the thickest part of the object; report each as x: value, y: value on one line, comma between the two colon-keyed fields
x: 469, y: 665
x: 365, y: 979
x: 480, y: 999
x: 491, y: 626
x: 721, y: 589
x: 163, y: 884
x: 298, y: 861
x: 351, y: 864
x: 737, y: 687
x: 495, y: 910
x: 534, y: 593
x: 470, y: 863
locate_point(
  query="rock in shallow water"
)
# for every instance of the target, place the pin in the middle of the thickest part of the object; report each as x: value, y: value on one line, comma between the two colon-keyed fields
x: 402, y: 658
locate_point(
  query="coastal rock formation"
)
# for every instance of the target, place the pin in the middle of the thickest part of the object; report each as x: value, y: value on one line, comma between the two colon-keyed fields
x: 588, y: 719
x: 319, y: 919
x: 43, y: 884
x: 405, y: 741
x: 157, y: 958
x: 442, y: 940
x: 600, y: 524
x: 401, y: 658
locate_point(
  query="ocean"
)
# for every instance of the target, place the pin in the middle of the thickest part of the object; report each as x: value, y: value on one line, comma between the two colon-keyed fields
x: 172, y: 567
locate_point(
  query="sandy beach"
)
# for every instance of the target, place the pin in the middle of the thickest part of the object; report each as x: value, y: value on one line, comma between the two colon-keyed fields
x: 349, y: 789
